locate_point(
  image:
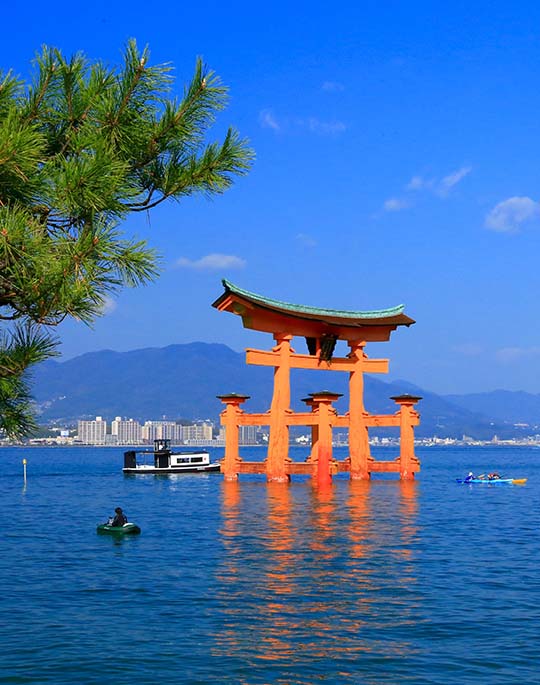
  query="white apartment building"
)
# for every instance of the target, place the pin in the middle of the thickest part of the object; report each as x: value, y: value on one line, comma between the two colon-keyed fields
x: 197, y: 434
x: 127, y: 431
x: 160, y: 430
x: 247, y: 435
x: 92, y: 432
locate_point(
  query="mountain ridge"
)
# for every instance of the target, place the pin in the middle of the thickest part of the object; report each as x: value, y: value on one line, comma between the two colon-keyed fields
x: 183, y: 380
x: 511, y: 405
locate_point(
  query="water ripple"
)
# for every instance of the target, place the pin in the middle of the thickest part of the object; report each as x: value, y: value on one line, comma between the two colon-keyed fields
x: 249, y: 583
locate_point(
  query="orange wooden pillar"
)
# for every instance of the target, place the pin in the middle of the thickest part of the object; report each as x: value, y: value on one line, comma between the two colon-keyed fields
x: 278, y: 444
x: 322, y: 402
x: 408, y: 463
x: 229, y: 419
x: 358, y: 433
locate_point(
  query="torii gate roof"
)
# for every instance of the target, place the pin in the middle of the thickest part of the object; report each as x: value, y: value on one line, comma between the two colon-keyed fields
x: 271, y: 316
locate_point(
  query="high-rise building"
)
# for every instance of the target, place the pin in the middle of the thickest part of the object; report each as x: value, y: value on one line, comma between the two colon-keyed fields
x: 127, y: 431
x: 247, y: 435
x: 197, y: 434
x: 160, y: 430
x: 92, y: 432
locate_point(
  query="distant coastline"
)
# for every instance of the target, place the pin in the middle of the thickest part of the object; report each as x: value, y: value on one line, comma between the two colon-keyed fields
x: 423, y: 442
x: 111, y: 384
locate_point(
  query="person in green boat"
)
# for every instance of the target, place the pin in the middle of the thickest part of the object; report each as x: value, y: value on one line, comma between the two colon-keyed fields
x: 119, y: 519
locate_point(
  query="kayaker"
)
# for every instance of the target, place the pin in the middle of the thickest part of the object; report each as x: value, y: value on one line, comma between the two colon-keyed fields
x: 469, y: 477
x: 119, y: 519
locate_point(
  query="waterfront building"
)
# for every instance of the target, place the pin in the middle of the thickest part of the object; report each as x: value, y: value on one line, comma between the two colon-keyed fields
x: 127, y: 431
x: 247, y: 435
x: 198, y: 433
x: 92, y: 432
x: 161, y: 430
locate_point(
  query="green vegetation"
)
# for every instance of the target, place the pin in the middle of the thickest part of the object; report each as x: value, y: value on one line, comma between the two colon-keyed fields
x: 82, y: 147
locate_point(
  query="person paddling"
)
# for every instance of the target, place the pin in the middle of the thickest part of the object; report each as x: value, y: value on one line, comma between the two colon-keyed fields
x: 119, y: 519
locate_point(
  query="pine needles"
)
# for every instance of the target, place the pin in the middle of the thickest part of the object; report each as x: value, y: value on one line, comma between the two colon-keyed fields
x: 81, y: 147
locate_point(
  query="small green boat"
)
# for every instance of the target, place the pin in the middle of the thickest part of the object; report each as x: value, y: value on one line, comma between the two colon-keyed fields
x: 126, y: 529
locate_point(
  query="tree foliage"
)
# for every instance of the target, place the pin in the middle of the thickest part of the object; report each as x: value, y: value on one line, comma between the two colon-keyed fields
x: 81, y: 147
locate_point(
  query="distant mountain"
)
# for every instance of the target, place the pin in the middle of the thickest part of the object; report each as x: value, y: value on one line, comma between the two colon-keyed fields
x: 502, y: 405
x: 182, y: 381
x: 175, y: 381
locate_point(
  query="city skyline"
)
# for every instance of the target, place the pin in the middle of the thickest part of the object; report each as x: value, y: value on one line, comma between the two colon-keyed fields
x: 129, y: 431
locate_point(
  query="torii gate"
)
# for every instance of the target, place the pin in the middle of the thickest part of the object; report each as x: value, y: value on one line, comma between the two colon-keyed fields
x: 321, y: 329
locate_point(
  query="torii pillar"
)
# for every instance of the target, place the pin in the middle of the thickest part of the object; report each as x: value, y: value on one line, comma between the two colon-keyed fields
x: 278, y: 443
x: 229, y: 419
x: 322, y: 404
x: 359, y: 451
x: 408, y: 463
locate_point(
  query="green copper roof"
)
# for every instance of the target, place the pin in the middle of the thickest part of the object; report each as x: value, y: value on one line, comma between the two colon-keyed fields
x: 313, y: 311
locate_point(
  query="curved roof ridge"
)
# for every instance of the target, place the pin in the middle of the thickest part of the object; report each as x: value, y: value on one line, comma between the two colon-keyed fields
x: 306, y: 309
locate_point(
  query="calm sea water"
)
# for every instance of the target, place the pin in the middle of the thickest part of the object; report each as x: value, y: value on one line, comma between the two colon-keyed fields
x: 381, y: 582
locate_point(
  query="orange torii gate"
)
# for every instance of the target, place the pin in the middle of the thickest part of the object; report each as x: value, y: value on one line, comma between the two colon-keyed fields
x: 321, y: 329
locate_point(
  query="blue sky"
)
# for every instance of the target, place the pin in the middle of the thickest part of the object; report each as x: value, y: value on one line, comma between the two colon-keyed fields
x: 397, y: 162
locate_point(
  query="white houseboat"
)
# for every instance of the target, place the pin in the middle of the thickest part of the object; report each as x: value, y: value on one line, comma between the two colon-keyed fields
x: 163, y: 460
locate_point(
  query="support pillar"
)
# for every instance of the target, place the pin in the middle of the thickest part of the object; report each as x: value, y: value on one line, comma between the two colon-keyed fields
x: 229, y: 419
x: 278, y: 444
x: 322, y: 402
x: 408, y: 463
x: 358, y: 433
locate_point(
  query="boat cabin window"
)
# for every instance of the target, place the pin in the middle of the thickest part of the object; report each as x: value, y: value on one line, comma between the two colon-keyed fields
x: 187, y: 460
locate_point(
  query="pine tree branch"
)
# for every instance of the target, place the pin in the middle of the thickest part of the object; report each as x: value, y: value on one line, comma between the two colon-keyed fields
x: 80, y: 149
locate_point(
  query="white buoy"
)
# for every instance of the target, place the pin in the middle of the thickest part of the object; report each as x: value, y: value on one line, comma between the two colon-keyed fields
x: 24, y: 470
